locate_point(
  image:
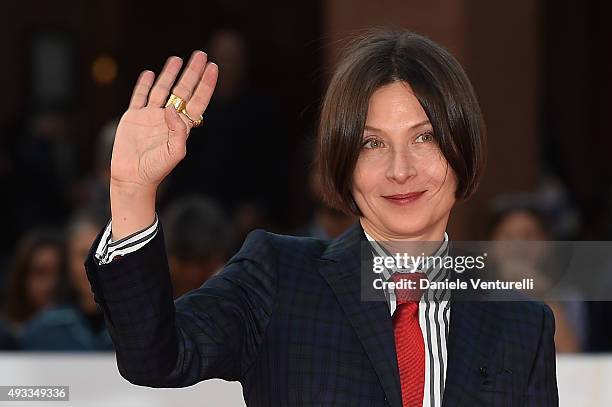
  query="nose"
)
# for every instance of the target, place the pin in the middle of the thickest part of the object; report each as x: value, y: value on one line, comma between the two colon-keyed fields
x: 401, y: 166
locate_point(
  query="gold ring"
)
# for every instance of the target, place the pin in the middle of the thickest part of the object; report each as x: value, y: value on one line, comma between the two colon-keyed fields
x: 176, y: 102
x: 196, y: 122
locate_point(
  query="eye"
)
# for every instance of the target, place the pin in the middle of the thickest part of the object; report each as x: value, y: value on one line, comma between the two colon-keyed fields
x: 425, y: 138
x: 373, y: 143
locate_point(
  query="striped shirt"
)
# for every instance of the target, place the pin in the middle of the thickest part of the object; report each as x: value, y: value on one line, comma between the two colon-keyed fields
x: 108, y: 249
x: 434, y: 308
x: 434, y: 314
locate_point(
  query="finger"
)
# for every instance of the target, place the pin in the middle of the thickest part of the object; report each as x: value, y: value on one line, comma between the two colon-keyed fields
x: 177, y: 133
x: 176, y: 121
x: 161, y: 89
x: 191, y: 75
x: 201, y: 97
x: 141, y: 90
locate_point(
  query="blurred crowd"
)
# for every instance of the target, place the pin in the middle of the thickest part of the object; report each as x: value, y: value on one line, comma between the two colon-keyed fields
x: 46, y: 297
x: 228, y: 185
x: 54, y: 209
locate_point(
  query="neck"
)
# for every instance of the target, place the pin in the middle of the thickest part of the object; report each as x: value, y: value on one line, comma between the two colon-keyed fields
x: 427, y: 242
x: 433, y: 234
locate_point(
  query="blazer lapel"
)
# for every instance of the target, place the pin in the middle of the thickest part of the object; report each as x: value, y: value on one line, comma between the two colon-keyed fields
x: 341, y: 266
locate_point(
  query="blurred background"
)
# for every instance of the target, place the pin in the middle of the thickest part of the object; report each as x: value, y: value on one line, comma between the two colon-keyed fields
x: 541, y: 70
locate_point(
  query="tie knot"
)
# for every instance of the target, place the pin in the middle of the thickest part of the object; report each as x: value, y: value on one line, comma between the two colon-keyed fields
x: 408, y: 286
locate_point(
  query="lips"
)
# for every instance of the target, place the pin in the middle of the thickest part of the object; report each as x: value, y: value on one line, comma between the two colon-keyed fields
x: 404, y: 196
x: 404, y: 199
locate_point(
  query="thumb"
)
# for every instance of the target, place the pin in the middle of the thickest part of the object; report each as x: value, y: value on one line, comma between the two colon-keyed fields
x: 177, y: 133
x: 175, y: 124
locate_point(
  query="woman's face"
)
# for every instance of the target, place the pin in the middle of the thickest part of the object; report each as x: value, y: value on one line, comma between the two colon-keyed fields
x: 521, y: 227
x: 43, y: 276
x: 400, y: 156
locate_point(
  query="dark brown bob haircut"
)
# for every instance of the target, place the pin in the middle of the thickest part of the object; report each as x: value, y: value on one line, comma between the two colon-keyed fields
x: 375, y: 59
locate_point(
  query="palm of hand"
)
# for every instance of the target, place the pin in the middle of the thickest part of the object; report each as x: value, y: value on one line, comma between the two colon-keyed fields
x: 144, y: 133
x: 150, y: 139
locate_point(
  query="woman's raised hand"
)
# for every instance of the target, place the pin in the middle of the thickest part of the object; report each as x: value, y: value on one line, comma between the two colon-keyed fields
x: 151, y: 139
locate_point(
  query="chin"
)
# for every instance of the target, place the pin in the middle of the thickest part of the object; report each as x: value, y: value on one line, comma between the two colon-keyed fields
x: 405, y: 227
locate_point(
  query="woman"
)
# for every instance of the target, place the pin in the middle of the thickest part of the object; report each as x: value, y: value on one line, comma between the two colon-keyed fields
x: 400, y: 140
x: 33, y: 277
x: 527, y: 222
x: 76, y: 323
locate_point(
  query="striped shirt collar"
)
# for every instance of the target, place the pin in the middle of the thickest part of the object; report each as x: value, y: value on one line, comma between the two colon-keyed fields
x: 433, y: 273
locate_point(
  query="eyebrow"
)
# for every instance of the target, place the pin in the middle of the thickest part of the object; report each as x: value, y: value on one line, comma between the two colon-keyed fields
x: 423, y: 123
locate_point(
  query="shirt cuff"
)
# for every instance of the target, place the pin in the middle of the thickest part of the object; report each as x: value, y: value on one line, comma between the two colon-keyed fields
x: 108, y: 249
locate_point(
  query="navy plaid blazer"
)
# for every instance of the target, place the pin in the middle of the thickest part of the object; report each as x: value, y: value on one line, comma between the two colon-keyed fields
x: 284, y: 317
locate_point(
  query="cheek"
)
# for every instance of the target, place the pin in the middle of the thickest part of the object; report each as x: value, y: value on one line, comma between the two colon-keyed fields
x: 366, y: 177
x: 434, y: 168
x: 440, y: 176
x: 40, y: 288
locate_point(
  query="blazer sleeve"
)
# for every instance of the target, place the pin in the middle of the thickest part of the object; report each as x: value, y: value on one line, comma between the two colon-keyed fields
x: 211, y: 332
x: 542, y: 385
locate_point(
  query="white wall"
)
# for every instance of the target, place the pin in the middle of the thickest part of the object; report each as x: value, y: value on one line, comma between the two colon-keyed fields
x: 584, y: 380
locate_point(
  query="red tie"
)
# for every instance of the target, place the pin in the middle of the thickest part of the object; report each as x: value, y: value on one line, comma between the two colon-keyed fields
x: 409, y: 343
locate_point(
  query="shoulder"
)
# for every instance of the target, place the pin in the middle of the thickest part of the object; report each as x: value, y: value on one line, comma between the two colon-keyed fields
x: 527, y: 320
x: 527, y: 309
x: 50, y: 323
x: 261, y: 244
x: 58, y: 316
x: 255, y: 266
